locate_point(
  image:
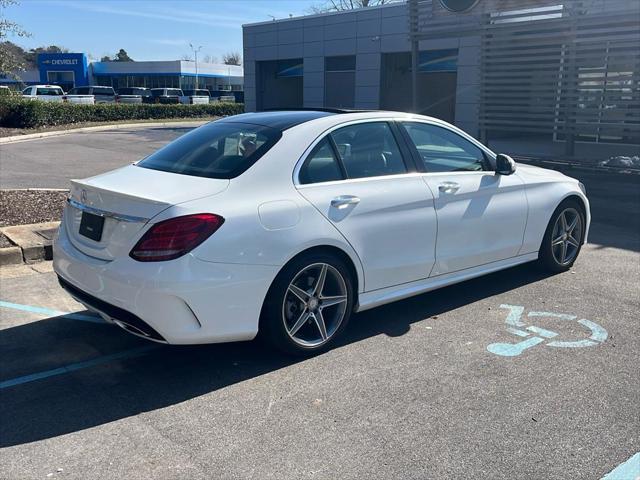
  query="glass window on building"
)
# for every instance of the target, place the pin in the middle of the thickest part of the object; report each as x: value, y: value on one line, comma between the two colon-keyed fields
x: 340, y: 81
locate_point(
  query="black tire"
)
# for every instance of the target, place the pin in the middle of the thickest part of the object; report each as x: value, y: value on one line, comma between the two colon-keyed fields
x: 278, y: 311
x: 549, y: 257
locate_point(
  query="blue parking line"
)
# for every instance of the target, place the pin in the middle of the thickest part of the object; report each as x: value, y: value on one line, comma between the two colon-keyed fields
x: 51, y: 313
x: 629, y: 470
x: 77, y: 366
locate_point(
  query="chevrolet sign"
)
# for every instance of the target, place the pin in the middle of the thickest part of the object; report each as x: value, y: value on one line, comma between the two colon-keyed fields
x: 64, y: 61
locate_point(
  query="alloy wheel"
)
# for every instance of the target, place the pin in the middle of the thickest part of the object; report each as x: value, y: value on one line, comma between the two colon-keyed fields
x: 314, y: 305
x: 566, y: 236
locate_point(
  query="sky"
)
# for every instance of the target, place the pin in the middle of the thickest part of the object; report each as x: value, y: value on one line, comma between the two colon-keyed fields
x: 147, y: 30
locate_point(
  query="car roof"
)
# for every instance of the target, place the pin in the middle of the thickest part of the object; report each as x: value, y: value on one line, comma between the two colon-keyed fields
x: 278, y: 119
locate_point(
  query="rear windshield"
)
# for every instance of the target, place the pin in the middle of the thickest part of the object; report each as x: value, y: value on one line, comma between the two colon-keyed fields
x: 215, y: 150
x: 49, y: 91
x: 174, y: 92
x: 134, y: 91
x: 196, y: 93
x: 103, y: 91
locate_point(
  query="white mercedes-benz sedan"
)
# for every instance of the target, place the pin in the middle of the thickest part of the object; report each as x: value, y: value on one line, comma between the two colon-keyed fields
x: 287, y: 222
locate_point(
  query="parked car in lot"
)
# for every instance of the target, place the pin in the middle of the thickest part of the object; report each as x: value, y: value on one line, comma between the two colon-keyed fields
x: 101, y: 94
x: 79, y: 99
x: 134, y: 95
x: 195, y: 97
x: 45, y: 93
x: 166, y: 95
x: 288, y: 222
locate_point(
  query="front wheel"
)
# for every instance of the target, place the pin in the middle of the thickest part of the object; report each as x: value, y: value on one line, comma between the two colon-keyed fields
x: 563, y: 238
x: 309, y: 305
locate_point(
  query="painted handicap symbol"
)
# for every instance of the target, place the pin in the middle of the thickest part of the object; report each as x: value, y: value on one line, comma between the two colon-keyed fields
x: 535, y: 335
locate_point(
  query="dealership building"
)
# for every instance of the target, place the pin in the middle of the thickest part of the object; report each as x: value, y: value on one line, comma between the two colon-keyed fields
x: 567, y: 70
x: 73, y: 69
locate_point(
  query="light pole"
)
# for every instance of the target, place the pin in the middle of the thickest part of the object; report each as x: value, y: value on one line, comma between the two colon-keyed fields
x: 195, y: 53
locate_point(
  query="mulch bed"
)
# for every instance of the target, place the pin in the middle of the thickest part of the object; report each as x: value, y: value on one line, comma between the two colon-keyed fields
x: 4, y: 242
x: 21, y: 207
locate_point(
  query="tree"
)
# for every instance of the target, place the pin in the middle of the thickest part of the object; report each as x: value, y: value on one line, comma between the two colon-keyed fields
x: 122, y: 56
x: 10, y: 59
x: 31, y: 56
x: 342, y: 5
x: 209, y: 59
x: 186, y: 57
x: 232, y: 58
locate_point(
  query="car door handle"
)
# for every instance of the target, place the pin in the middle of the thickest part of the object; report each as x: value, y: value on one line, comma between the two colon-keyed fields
x: 344, y: 201
x: 449, y: 187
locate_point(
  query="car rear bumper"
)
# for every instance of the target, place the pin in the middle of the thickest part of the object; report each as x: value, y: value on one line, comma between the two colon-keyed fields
x: 182, y: 301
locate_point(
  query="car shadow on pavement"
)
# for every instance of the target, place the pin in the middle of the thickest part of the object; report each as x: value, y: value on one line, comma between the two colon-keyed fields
x: 168, y: 375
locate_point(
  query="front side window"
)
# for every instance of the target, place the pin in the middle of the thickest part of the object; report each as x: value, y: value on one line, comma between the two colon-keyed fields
x: 442, y: 150
x: 369, y: 150
x: 321, y: 165
x: 215, y: 150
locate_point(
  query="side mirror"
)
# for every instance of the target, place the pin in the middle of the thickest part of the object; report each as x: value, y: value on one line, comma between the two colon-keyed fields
x: 505, y: 164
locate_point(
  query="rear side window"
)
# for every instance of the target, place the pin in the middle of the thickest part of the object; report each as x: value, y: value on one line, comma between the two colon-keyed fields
x: 215, y: 150
x: 369, y: 150
x: 321, y: 165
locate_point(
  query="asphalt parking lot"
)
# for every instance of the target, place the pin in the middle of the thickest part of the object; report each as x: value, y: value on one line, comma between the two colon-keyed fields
x: 51, y: 162
x: 515, y: 375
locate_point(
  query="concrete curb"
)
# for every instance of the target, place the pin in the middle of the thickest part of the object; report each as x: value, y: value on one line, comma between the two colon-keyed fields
x: 10, y: 256
x: 31, y: 244
x: 99, y: 128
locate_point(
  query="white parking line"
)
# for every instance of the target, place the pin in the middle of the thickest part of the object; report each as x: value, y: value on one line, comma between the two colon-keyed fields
x: 51, y: 313
x: 74, y: 366
x: 77, y: 366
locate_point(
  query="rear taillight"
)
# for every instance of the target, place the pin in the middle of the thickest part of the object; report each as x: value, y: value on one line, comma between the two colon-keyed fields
x: 175, y: 237
x: 117, y: 98
x: 65, y: 99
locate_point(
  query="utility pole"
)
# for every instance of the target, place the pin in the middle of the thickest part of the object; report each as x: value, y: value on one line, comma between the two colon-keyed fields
x: 195, y: 53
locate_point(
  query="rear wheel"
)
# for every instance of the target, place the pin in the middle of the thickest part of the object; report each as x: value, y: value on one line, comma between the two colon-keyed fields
x: 563, y: 238
x: 308, y: 305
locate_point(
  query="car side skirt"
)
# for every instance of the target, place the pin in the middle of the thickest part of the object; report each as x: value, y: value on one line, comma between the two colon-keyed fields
x: 376, y: 298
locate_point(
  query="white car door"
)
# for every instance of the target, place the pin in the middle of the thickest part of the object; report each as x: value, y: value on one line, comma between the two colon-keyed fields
x: 356, y: 176
x: 481, y: 215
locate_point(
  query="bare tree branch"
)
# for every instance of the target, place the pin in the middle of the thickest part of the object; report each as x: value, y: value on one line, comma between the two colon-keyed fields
x: 344, y: 5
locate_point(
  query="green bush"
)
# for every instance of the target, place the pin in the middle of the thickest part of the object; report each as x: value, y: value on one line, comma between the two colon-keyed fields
x: 31, y: 114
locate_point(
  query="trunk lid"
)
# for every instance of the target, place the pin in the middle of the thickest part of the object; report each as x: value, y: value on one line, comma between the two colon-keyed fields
x: 128, y: 198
